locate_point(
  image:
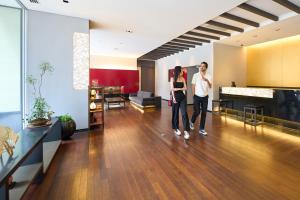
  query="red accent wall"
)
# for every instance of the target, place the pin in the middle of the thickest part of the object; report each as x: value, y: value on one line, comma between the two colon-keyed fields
x: 112, y: 77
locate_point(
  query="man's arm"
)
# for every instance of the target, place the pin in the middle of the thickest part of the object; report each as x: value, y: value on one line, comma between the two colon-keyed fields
x: 207, y: 80
x: 209, y: 83
x: 193, y: 89
x: 193, y: 84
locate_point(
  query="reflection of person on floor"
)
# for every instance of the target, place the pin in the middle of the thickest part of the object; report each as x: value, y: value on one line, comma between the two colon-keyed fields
x: 201, y: 83
x: 178, y: 85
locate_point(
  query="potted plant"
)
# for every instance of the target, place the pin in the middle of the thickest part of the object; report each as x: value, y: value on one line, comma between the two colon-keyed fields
x: 68, y: 126
x: 40, y: 111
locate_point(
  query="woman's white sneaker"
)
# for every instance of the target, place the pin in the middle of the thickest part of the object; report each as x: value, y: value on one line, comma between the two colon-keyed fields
x: 177, y: 132
x: 186, y: 135
x: 192, y: 126
x: 203, y: 132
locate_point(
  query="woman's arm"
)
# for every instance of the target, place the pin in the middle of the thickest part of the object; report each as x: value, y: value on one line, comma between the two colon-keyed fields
x: 184, y: 85
x: 172, y: 90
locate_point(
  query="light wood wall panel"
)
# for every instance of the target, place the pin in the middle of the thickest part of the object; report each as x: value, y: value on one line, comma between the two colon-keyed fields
x: 275, y: 63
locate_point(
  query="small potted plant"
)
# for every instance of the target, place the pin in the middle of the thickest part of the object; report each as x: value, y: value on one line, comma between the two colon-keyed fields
x: 68, y: 126
x: 39, y: 114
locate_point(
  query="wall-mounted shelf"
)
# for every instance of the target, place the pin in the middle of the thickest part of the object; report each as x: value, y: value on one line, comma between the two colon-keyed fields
x: 96, y: 114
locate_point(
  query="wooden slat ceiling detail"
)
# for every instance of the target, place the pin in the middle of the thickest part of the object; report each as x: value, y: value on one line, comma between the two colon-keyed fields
x: 239, y: 19
x: 222, y: 25
x: 187, y: 42
x: 288, y: 5
x: 194, y: 38
x: 182, y: 45
x: 177, y: 47
x: 167, y: 48
x: 258, y: 11
x: 200, y: 28
x: 202, y: 35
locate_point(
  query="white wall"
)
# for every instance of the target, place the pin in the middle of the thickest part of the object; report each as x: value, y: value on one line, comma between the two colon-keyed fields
x: 230, y: 64
x: 225, y: 64
x: 10, y: 59
x: 185, y: 59
x: 50, y: 38
x: 108, y: 62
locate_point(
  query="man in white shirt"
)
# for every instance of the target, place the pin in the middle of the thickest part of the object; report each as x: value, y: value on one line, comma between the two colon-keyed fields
x: 201, y: 84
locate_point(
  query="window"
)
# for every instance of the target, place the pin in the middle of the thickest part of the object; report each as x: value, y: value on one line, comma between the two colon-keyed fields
x: 11, y: 65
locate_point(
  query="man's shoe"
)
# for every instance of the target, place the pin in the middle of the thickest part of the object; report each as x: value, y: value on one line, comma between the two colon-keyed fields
x: 203, y: 132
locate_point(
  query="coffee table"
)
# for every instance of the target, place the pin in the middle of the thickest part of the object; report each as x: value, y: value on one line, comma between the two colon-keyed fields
x: 115, y: 100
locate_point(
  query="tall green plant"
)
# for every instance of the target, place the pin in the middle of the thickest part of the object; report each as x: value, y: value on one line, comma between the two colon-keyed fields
x: 40, y: 107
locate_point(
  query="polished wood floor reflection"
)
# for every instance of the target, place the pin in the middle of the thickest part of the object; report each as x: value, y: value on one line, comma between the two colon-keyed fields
x: 138, y: 157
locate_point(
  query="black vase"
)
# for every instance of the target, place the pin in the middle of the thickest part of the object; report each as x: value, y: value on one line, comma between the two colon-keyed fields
x: 68, y: 129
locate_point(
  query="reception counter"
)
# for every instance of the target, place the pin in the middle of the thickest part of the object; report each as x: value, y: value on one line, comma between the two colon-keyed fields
x: 281, y: 106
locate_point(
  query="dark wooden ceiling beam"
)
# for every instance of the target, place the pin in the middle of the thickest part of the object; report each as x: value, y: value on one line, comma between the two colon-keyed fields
x: 258, y: 11
x: 158, y: 55
x: 157, y: 52
x: 177, y: 47
x: 193, y: 39
x: 182, y: 45
x: 186, y: 42
x: 239, y: 19
x: 165, y: 52
x: 160, y: 52
x: 288, y: 5
x: 167, y: 48
x: 202, y: 35
x: 222, y: 25
x: 209, y: 30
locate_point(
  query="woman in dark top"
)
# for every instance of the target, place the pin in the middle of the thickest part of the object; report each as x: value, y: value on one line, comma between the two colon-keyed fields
x: 178, y: 85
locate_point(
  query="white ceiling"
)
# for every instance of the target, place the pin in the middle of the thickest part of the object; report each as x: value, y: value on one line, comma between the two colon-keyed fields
x: 288, y: 24
x: 10, y: 3
x: 153, y: 22
x: 285, y: 28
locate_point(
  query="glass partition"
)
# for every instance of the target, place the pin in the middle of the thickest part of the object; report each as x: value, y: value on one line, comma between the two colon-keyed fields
x: 11, y: 64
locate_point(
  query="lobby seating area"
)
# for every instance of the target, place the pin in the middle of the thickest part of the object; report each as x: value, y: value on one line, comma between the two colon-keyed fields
x: 144, y: 99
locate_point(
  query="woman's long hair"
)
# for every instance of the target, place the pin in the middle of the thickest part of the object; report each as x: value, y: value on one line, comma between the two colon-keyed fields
x: 177, y: 71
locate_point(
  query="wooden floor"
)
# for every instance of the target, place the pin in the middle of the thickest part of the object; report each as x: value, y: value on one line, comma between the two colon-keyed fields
x: 139, y: 157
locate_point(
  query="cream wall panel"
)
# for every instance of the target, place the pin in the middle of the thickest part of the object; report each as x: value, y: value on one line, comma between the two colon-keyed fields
x: 108, y: 62
x: 274, y: 63
x: 291, y: 63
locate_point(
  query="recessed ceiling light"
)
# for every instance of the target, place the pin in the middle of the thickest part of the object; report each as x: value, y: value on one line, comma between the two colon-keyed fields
x: 129, y: 31
x: 34, y: 1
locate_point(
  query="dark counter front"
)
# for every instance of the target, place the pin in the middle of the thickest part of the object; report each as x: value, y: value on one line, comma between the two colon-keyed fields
x: 29, y: 159
x: 283, y: 108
